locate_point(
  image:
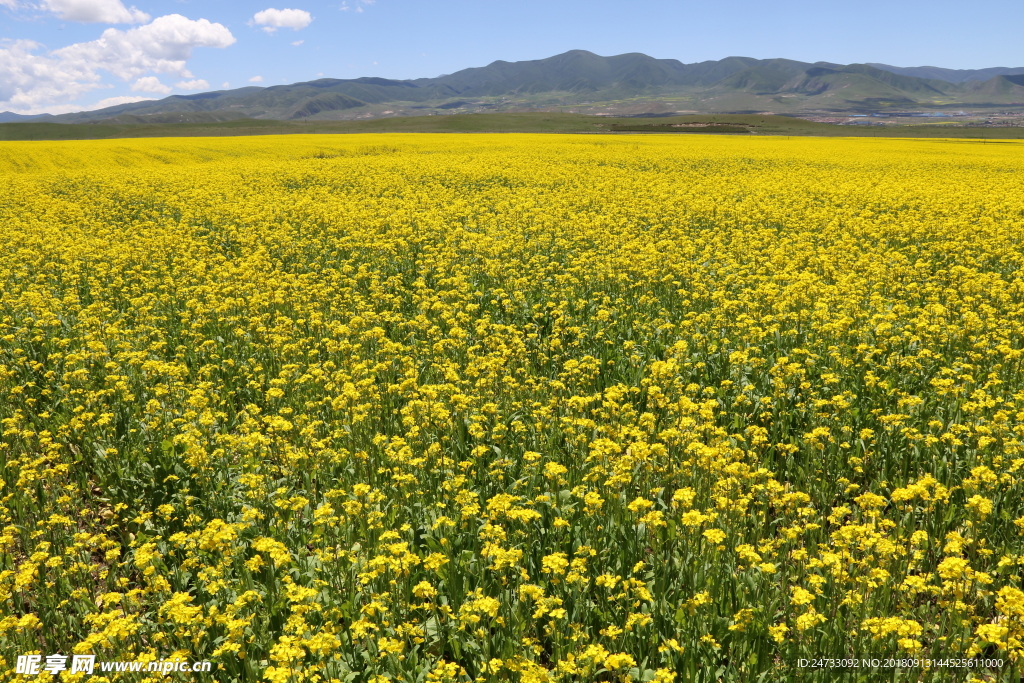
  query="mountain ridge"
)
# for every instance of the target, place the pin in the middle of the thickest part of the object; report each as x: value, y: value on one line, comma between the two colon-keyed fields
x: 580, y: 77
x: 951, y: 75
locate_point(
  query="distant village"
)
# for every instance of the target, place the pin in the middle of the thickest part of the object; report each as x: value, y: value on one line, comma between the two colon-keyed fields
x: 961, y: 118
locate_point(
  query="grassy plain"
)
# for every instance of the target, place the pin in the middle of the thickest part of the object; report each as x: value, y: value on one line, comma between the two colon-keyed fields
x: 534, y: 122
x: 513, y: 407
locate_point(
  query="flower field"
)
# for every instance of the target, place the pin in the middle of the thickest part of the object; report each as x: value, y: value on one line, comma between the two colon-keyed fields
x: 439, y: 408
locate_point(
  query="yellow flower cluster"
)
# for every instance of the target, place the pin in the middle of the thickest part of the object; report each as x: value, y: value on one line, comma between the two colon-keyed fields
x: 512, y: 408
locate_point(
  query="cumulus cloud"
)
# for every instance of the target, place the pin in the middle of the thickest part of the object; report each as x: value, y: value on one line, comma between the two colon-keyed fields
x: 256, y: 79
x: 31, y: 79
x: 162, y: 46
x: 113, y: 102
x: 96, y: 11
x: 225, y: 84
x: 273, y: 19
x: 28, y: 80
x: 150, y: 84
x: 197, y: 84
x: 102, y: 104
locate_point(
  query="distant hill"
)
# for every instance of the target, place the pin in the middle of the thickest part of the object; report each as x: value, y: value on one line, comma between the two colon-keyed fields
x: 579, y: 71
x: 951, y: 75
x: 628, y: 83
x: 1000, y: 88
x: 11, y: 117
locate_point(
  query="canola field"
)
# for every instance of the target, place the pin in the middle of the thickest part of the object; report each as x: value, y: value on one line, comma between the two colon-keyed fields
x: 439, y: 408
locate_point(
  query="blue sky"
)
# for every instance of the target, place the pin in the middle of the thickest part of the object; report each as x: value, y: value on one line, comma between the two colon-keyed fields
x: 68, y: 55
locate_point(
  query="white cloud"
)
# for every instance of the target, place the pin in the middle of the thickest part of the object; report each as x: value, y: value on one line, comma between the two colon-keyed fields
x: 150, y: 84
x: 162, y: 46
x: 9, y: 3
x: 96, y: 11
x: 256, y: 79
x: 197, y: 84
x: 225, y: 84
x: 32, y: 80
x: 70, y: 108
x: 273, y: 19
x: 29, y: 80
x: 298, y: 42
x: 113, y: 102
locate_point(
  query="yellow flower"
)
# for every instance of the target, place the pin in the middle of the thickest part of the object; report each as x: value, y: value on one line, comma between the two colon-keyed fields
x: 809, y: 619
x: 501, y: 389
x: 742, y: 619
x: 424, y: 590
x: 801, y: 596
x: 778, y: 632
x: 714, y: 536
x: 277, y: 551
x: 640, y: 505
x: 390, y: 646
x: 993, y: 633
x: 556, y: 563
x: 619, y: 661
x: 981, y: 505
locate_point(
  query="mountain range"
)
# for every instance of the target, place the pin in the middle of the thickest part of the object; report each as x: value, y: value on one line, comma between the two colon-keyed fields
x: 628, y: 83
